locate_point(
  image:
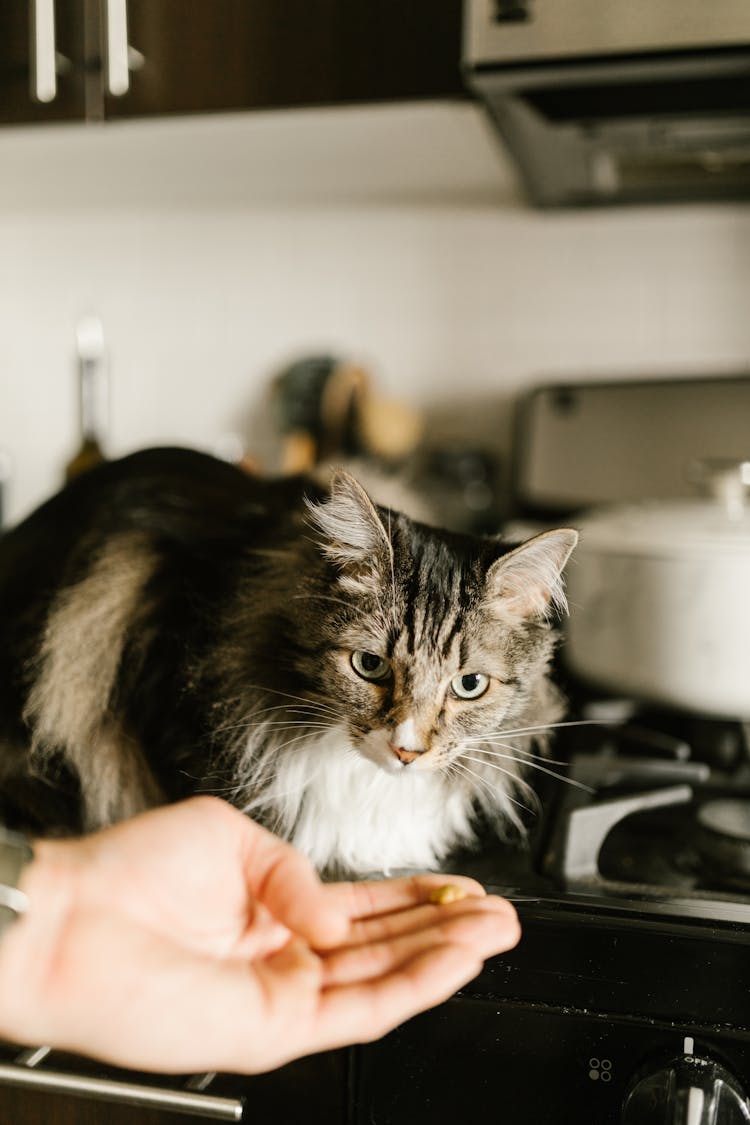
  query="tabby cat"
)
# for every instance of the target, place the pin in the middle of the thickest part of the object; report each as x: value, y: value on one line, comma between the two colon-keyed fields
x: 363, y: 684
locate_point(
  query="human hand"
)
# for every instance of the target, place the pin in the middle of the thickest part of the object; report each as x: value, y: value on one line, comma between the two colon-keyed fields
x: 189, y: 938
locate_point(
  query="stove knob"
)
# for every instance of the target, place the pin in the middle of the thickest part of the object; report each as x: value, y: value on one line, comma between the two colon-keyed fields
x: 688, y: 1090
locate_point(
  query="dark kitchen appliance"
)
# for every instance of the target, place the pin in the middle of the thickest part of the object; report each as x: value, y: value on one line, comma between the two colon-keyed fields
x: 617, y: 101
x: 579, y: 444
x: 627, y: 998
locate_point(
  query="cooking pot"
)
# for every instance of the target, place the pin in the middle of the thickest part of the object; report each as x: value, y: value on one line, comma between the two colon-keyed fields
x: 659, y: 599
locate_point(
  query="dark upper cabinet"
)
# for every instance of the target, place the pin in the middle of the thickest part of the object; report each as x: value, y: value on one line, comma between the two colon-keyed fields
x: 129, y: 58
x: 42, y: 60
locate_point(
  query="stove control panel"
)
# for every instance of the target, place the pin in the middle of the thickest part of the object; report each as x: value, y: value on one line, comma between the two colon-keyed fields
x: 687, y: 1090
x: 503, y: 1060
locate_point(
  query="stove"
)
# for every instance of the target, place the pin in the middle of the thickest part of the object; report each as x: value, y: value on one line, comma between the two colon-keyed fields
x: 627, y: 998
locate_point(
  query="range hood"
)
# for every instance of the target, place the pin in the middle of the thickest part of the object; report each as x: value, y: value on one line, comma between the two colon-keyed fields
x: 617, y: 101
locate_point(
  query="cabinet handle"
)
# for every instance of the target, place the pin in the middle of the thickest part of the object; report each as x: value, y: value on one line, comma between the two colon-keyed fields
x: 129, y: 1093
x: 118, y: 74
x: 43, y: 61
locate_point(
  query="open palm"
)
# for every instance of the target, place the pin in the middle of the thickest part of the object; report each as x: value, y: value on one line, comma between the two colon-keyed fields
x: 191, y: 939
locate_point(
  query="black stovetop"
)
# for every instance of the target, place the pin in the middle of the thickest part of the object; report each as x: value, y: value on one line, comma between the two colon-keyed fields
x: 627, y: 998
x: 640, y: 813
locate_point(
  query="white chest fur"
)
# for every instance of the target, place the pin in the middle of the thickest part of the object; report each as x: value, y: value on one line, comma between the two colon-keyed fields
x: 344, y: 811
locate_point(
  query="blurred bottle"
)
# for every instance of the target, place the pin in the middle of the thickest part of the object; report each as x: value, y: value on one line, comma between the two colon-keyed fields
x: 5, y: 469
x: 93, y: 396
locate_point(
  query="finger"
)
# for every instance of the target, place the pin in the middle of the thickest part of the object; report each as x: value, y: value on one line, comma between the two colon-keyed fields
x: 284, y: 881
x: 382, y: 896
x: 384, y: 926
x: 483, y: 929
x: 361, y: 1012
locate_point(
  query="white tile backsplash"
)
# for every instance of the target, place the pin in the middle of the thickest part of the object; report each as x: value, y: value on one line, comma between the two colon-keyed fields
x: 217, y: 249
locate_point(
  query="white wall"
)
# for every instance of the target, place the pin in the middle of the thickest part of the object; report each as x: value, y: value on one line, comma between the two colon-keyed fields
x: 216, y: 249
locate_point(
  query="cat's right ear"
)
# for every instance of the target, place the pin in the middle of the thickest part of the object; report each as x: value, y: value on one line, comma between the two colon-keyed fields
x: 353, y: 534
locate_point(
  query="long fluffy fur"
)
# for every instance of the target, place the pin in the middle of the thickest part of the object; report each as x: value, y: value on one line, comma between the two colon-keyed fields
x: 175, y: 626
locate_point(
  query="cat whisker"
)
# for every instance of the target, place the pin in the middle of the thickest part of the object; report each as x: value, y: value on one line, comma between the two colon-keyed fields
x: 321, y: 598
x: 532, y: 765
x: 295, y: 715
x: 325, y: 721
x: 266, y: 735
x: 203, y: 778
x: 290, y: 741
x: 293, y: 708
x: 263, y: 779
x: 460, y: 765
x: 312, y: 705
x: 287, y: 695
x: 517, y: 778
x: 549, y: 726
x: 292, y: 724
x: 319, y: 711
x: 466, y: 771
x: 216, y: 790
x: 479, y: 744
x: 453, y: 772
x: 533, y: 808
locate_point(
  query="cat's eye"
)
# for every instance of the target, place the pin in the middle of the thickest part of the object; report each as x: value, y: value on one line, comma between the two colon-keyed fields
x: 370, y: 666
x: 470, y: 685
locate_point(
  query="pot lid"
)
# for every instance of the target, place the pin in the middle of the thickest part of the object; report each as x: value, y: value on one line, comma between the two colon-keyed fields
x: 685, y: 528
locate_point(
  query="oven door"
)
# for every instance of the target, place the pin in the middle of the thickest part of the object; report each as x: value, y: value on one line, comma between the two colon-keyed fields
x: 38, y: 1086
x: 591, y: 1012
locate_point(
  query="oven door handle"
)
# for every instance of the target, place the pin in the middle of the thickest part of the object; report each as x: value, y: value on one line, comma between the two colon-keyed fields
x: 208, y: 1106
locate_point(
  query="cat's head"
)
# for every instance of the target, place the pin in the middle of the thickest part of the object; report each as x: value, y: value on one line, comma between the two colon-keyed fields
x: 431, y: 642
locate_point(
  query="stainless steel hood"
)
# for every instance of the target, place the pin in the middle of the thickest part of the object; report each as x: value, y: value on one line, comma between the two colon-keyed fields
x: 617, y: 101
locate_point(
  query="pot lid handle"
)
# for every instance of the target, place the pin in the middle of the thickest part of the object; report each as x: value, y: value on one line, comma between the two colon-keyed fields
x: 726, y: 479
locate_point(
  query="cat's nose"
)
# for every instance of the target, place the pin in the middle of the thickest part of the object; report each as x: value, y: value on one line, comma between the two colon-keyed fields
x: 406, y: 756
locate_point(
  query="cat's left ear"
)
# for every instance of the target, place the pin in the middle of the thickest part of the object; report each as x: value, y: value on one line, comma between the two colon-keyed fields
x: 354, y: 536
x: 527, y: 584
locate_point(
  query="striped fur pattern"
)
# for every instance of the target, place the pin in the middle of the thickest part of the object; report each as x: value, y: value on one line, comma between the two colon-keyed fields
x: 76, y: 670
x: 363, y: 684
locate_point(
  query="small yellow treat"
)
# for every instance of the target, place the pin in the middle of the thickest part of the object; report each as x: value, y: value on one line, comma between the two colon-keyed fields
x: 447, y: 893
